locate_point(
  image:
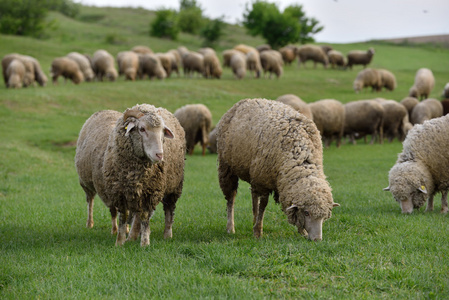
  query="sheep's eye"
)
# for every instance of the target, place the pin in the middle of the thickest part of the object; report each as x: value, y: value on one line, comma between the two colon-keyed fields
x: 142, y: 129
x: 306, y: 213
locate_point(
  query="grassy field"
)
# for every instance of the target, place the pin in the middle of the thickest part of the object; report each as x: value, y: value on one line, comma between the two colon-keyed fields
x: 369, y: 249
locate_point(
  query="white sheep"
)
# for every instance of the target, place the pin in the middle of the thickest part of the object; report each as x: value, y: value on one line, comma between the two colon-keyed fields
x: 150, y: 65
x: 421, y: 169
x: 445, y: 93
x: 426, y: 110
x: 314, y: 53
x: 272, y: 62
x: 423, y: 85
x: 103, y: 65
x: 364, y: 117
x: 275, y: 149
x: 133, y: 161
x: 84, y: 65
x: 128, y: 64
x: 238, y: 64
x: 358, y: 57
x: 15, y: 73
x: 367, y: 78
x: 297, y: 104
x: 387, y: 80
x: 336, y: 58
x: 67, y: 68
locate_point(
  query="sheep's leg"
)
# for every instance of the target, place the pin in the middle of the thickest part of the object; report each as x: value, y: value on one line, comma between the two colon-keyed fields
x: 444, y: 208
x: 258, y: 227
x: 135, y: 228
x: 145, y: 227
x: 90, y: 195
x: 113, y: 212
x: 121, y: 234
x: 204, y: 138
x: 430, y: 203
x: 228, y: 184
x: 255, y: 198
x: 169, y: 209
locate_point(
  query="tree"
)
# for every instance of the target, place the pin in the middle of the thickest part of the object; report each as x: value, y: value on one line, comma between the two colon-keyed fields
x: 309, y: 26
x: 190, y: 18
x: 212, y: 32
x: 165, y: 25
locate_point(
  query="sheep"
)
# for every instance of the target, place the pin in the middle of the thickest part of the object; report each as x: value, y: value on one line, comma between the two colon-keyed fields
x: 212, y: 66
x: 207, y: 50
x: 133, y: 161
x: 128, y: 64
x: 39, y: 75
x: 336, y: 58
x: 103, y: 65
x: 263, y: 47
x: 84, y: 65
x: 314, y: 53
x: 445, y: 93
x: 150, y: 65
x: 142, y: 50
x: 426, y: 110
x: 15, y: 73
x: 212, y: 146
x: 238, y: 65
x: 445, y: 104
x: 272, y: 62
x: 253, y: 63
x: 363, y: 117
x: 275, y: 149
x: 326, y: 48
x: 421, y: 168
x: 182, y: 51
x: 29, y: 75
x: 387, y: 80
x: 227, y: 54
x: 245, y: 49
x: 196, y: 119
x: 297, y: 104
x: 423, y: 85
x: 193, y: 62
x: 175, y: 59
x: 409, y: 103
x: 329, y: 118
x: 358, y: 57
x: 395, y: 118
x: 67, y: 68
x: 367, y: 78
x: 288, y: 54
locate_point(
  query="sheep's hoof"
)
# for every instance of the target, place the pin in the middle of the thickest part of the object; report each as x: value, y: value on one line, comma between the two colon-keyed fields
x: 145, y: 242
x: 114, y: 230
x: 231, y: 230
x: 90, y: 224
x: 444, y: 210
x: 168, y: 234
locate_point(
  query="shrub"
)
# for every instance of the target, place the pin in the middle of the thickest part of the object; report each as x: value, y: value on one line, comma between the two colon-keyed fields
x: 165, y: 26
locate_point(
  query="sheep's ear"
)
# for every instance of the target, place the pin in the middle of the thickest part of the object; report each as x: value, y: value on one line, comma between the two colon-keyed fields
x: 129, y: 127
x: 168, y: 133
x: 335, y: 205
x: 387, y: 188
x: 422, y: 189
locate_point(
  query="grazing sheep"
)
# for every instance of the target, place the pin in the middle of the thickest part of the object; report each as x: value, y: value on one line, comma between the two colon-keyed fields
x: 363, y: 117
x: 387, y: 80
x: 272, y: 62
x: 238, y: 65
x: 445, y: 93
x: 426, y: 110
x: 207, y: 50
x: 212, y: 66
x: 394, y: 119
x: 227, y: 54
x: 358, y: 57
x: 29, y: 75
x: 367, y: 78
x: 326, y: 48
x: 176, y: 60
x: 103, y: 65
x: 263, y: 47
x: 424, y: 83
x: 336, y: 58
x: 133, y: 161
x: 445, y: 104
x: 212, y: 146
x: 128, y: 64
x: 329, y: 118
x: 288, y: 54
x: 409, y: 103
x: 15, y: 73
x: 245, y: 49
x: 84, y: 65
x: 142, y: 50
x: 182, y: 51
x: 196, y: 119
x: 275, y: 149
x: 253, y: 63
x: 39, y: 75
x: 151, y: 66
x: 297, y: 104
x: 67, y: 68
x: 421, y: 169
x: 314, y: 53
x: 166, y: 62
x: 193, y: 62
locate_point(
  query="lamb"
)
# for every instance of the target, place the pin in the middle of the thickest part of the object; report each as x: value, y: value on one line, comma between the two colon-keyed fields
x: 329, y: 118
x: 128, y: 64
x: 426, y: 110
x: 314, y: 53
x: 253, y: 63
x: 336, y: 58
x: 297, y: 104
x: 150, y: 65
x: 196, y: 119
x: 103, y: 65
x: 424, y: 83
x: 367, y: 78
x: 387, y: 80
x: 363, y: 117
x: 84, y: 65
x: 421, y: 169
x: 395, y: 118
x: 272, y: 62
x: 275, y: 149
x: 193, y: 62
x: 238, y: 65
x: 133, y: 161
x: 67, y: 68
x: 15, y: 73
x: 358, y: 57
x: 409, y: 103
x: 212, y: 66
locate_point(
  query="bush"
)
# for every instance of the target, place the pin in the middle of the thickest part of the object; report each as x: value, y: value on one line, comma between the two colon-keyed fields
x: 22, y: 17
x: 212, y: 32
x: 165, y: 25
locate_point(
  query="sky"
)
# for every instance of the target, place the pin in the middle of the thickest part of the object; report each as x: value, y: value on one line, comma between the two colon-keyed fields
x: 344, y: 21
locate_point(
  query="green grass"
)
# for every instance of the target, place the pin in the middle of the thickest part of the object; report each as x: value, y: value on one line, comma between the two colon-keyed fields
x: 370, y: 250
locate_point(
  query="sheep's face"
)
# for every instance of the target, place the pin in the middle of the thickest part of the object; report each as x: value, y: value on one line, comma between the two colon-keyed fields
x: 307, y: 225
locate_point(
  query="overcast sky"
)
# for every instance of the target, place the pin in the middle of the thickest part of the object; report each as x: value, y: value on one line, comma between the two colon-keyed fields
x: 344, y: 21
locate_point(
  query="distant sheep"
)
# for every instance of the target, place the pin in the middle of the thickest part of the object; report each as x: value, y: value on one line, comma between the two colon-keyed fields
x: 426, y: 110
x: 367, y: 78
x: 238, y: 65
x: 253, y: 63
x: 263, y: 47
x: 445, y: 104
x: 15, y: 73
x: 142, y: 50
x: 196, y: 119
x: 329, y: 118
x: 387, y: 80
x: 409, y: 103
x: 227, y: 54
x: 166, y: 62
x: 207, y: 50
x: 358, y: 57
x: 103, y: 65
x: 445, y: 93
x: 83, y: 64
x: 212, y: 66
x: 277, y: 150
x: 394, y: 122
x: 297, y: 104
x: 212, y: 146
x: 128, y: 64
x: 245, y: 48
x: 29, y: 76
x: 288, y: 54
x: 151, y: 66
x: 67, y: 68
x: 193, y: 62
x: 39, y: 75
x: 424, y: 83
x: 336, y: 58
x: 176, y: 60
x: 314, y: 53
x: 133, y: 161
x: 362, y: 118
x: 272, y: 62
x: 421, y: 169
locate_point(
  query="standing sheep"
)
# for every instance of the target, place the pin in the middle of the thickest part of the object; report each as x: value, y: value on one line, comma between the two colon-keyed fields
x: 275, y: 149
x: 288, y: 54
x: 421, y: 169
x: 329, y: 118
x: 272, y: 62
x: 103, y: 65
x: 133, y: 161
x: 409, y: 103
x: 28, y: 77
x: 150, y: 65
x: 424, y: 83
x: 314, y: 53
x: 426, y: 110
x: 238, y: 65
x: 67, y: 68
x: 336, y: 58
x: 128, y: 64
x: 387, y: 80
x: 196, y: 119
x: 166, y: 62
x: 142, y: 50
x: 395, y: 118
x: 367, y: 78
x: 297, y: 104
x: 253, y: 63
x: 39, y: 75
x: 212, y: 66
x: 212, y: 146
x: 176, y: 60
x: 363, y: 117
x: 227, y: 54
x: 84, y: 65
x: 15, y: 73
x: 193, y: 62
x: 358, y: 57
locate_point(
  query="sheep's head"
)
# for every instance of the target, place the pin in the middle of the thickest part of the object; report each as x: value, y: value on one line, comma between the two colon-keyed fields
x: 413, y: 92
x: 147, y: 130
